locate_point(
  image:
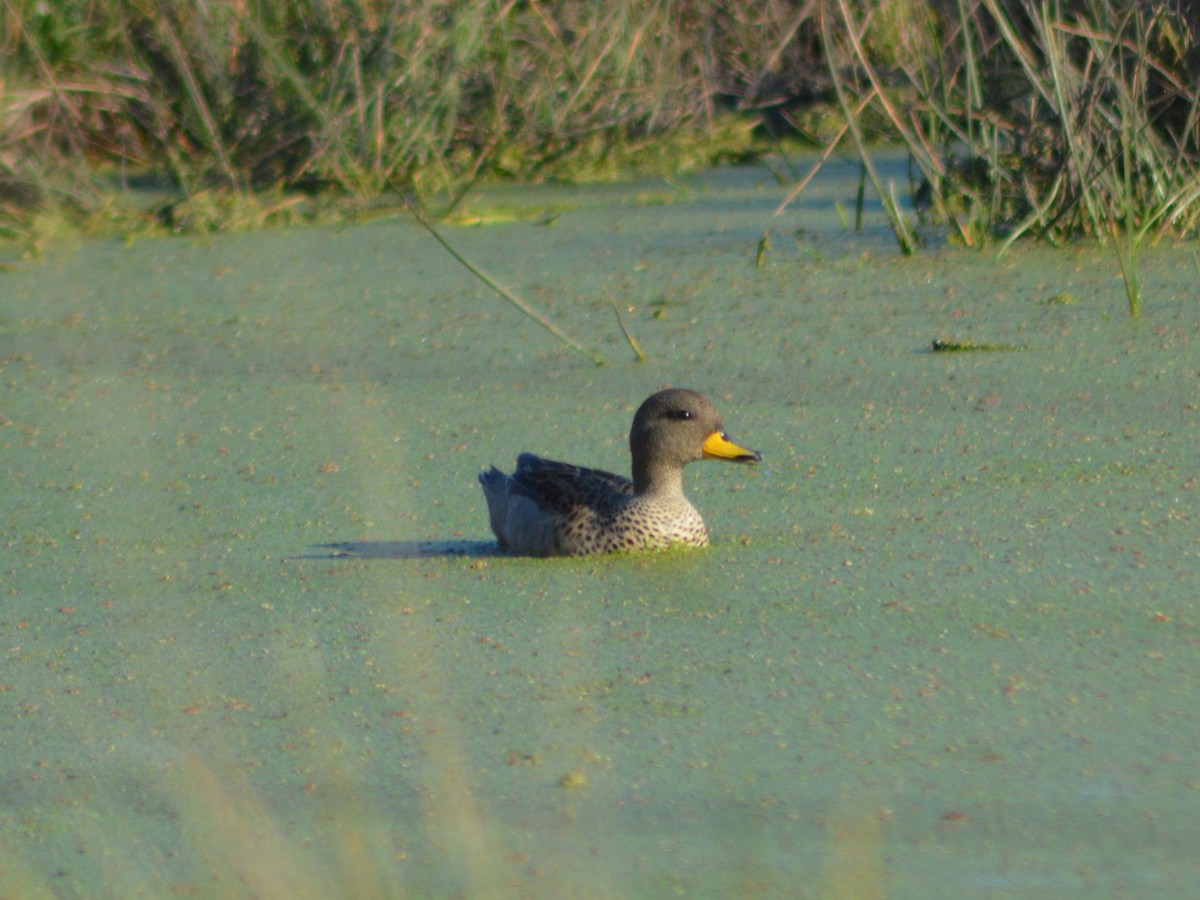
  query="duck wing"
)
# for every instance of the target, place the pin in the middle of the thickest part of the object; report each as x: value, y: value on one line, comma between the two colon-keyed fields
x: 562, y: 487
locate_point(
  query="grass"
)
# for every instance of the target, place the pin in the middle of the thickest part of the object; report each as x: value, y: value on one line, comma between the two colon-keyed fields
x: 1044, y: 118
x: 1055, y: 119
x: 348, y: 98
x: 509, y: 295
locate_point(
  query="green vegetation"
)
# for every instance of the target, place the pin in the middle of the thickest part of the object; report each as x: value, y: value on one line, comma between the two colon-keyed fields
x: 1052, y: 118
x: 345, y: 99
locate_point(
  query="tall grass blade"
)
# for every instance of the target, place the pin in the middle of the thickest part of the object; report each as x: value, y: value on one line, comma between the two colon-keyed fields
x: 895, y: 217
x: 500, y: 289
x: 633, y: 344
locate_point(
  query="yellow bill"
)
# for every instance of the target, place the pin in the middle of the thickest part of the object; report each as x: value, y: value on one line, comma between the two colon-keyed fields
x: 718, y: 446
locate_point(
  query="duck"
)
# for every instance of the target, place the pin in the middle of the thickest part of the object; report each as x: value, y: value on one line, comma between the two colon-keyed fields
x: 549, y: 508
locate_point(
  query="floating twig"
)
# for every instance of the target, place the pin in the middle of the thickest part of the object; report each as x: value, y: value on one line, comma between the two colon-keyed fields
x: 942, y: 345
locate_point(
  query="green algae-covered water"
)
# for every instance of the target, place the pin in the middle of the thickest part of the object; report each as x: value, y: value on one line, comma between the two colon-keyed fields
x: 256, y: 641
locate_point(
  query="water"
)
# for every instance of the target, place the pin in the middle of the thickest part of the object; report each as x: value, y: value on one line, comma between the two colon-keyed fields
x: 256, y: 641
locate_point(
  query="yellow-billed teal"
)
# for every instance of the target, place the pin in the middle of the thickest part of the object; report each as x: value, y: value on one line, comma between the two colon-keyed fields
x: 548, y: 508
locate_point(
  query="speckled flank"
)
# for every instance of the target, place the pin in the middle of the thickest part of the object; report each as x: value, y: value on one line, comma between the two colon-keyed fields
x: 548, y: 508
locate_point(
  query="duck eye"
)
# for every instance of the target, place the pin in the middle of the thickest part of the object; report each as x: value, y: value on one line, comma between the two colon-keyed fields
x: 679, y: 414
